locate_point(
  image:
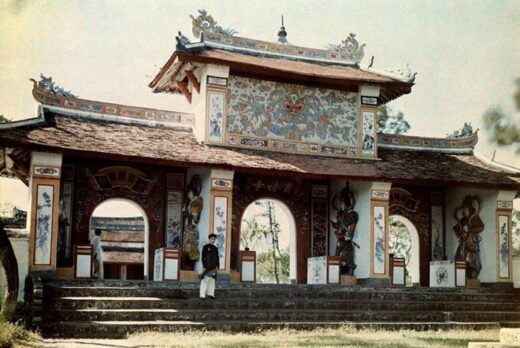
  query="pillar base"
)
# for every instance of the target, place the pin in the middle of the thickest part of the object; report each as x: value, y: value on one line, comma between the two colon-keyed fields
x: 234, y: 277
x: 189, y: 276
x: 348, y: 280
x: 375, y: 282
x: 472, y: 283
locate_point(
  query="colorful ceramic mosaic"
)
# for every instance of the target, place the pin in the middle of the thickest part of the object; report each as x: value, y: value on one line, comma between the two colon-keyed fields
x: 265, y: 109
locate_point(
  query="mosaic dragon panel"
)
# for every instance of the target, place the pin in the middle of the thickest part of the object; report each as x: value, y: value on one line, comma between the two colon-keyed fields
x: 285, y: 112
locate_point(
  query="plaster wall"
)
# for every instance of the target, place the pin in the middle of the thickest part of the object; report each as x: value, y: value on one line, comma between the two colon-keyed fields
x: 488, y: 253
x: 203, y: 226
x: 362, y: 195
x: 198, y: 100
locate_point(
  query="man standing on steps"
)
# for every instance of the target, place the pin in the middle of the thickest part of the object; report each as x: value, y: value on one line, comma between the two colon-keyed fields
x: 211, y: 264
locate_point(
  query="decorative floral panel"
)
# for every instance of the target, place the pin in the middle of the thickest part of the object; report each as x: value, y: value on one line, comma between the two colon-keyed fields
x: 368, y: 147
x: 215, y: 116
x: 174, y: 219
x: 219, y: 228
x: 503, y: 246
x: 291, y: 118
x: 379, y: 240
x: 437, y: 226
x: 42, y: 254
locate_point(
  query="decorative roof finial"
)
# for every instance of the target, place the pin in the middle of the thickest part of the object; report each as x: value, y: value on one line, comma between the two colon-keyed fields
x: 282, y: 34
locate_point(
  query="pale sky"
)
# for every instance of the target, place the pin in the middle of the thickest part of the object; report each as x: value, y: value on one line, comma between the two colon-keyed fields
x: 466, y: 53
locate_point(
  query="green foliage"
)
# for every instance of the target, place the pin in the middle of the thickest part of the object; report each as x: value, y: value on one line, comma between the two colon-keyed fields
x: 272, y: 266
x: 504, y: 130
x: 391, y: 122
x: 266, y: 268
x: 401, y: 243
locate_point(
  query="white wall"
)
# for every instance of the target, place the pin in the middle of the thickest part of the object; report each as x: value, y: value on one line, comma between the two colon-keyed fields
x: 454, y: 198
x: 203, y: 226
x: 361, y: 191
x: 198, y: 100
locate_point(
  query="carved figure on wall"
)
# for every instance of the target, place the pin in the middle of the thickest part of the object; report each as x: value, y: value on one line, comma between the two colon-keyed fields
x: 345, y: 224
x: 192, y: 208
x: 467, y: 229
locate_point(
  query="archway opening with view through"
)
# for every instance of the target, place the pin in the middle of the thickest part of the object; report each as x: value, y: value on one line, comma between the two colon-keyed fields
x: 268, y: 228
x: 124, y: 238
x: 404, y: 242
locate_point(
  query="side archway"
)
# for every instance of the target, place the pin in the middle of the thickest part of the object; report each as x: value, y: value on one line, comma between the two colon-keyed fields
x: 413, y: 264
x: 128, y: 223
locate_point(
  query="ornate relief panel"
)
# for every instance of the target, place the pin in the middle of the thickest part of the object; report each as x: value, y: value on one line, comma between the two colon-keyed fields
x: 319, y: 220
x: 145, y: 186
x: 292, y: 118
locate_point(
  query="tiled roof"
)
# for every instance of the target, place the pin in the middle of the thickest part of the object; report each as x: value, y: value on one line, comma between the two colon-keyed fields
x: 167, y: 146
x: 330, y: 75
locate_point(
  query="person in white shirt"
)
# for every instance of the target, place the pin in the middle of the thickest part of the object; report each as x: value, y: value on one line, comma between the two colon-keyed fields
x: 97, y: 253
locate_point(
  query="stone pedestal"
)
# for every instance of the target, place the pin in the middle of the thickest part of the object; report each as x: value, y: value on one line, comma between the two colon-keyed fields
x: 189, y: 276
x: 348, y: 280
x: 234, y: 277
x: 473, y: 283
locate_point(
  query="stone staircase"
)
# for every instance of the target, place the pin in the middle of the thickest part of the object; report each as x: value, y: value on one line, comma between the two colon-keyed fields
x: 111, y: 309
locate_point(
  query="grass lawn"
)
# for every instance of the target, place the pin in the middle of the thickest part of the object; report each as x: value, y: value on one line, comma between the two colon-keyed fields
x: 341, y: 337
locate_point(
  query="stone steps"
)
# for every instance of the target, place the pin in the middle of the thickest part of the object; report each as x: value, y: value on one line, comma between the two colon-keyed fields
x: 112, y: 308
x: 317, y: 293
x: 269, y: 303
x: 248, y: 315
x: 113, y: 329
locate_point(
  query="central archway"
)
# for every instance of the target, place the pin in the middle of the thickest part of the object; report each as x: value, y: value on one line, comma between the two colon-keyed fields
x: 404, y: 242
x: 268, y: 227
x: 125, y: 237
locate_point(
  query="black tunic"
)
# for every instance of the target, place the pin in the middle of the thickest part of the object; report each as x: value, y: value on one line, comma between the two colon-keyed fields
x: 210, y: 259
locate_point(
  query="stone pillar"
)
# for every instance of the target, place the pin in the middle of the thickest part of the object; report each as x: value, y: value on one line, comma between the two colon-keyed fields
x: 220, y: 214
x: 42, y: 217
x: 503, y: 232
x: 379, y: 233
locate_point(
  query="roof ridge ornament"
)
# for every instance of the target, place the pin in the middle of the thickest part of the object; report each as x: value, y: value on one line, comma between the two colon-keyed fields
x: 351, y: 47
x: 48, y: 85
x: 205, y: 22
x: 403, y: 75
x: 282, y: 35
x: 465, y: 131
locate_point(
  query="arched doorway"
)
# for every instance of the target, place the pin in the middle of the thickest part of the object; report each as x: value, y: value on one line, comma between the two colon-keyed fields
x: 404, y: 242
x: 268, y: 227
x: 125, y: 238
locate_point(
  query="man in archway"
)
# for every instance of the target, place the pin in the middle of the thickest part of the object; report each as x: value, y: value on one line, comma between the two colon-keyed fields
x: 97, y: 252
